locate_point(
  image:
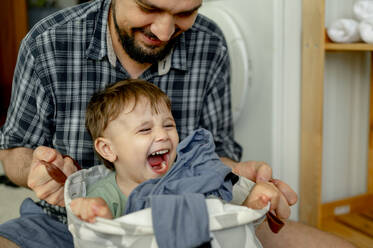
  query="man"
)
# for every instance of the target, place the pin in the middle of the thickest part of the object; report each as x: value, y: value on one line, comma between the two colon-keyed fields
x: 76, y: 52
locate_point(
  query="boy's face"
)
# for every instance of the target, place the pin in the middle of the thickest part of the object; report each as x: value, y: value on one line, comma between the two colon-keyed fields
x: 143, y: 143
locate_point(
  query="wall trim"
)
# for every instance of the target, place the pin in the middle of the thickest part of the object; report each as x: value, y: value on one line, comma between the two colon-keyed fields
x: 286, y: 93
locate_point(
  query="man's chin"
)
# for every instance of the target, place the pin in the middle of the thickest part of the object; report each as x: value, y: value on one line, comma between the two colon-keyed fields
x: 148, y: 58
x: 151, y: 50
x: 145, y: 53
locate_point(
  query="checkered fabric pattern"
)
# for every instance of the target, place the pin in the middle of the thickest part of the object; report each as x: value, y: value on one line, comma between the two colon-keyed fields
x: 64, y: 60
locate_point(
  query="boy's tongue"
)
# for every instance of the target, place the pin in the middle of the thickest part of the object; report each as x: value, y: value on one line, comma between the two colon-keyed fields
x: 158, y: 163
x: 155, y: 160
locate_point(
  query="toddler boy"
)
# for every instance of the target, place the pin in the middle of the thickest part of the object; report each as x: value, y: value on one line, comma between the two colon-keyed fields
x: 135, y: 135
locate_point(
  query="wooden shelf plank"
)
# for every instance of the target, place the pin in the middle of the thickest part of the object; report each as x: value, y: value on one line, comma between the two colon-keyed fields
x: 359, y: 239
x: 330, y: 46
x: 360, y: 203
x: 357, y: 222
x: 368, y: 214
x: 356, y: 225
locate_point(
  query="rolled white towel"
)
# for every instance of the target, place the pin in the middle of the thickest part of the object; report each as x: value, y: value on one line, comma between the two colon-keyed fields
x: 363, y: 9
x: 344, y: 31
x: 366, y: 30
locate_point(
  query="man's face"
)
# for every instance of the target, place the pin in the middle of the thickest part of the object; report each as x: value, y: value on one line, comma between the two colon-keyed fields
x: 147, y: 29
x: 144, y: 142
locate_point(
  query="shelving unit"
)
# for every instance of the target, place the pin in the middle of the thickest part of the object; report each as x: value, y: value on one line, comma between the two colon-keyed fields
x: 350, y: 218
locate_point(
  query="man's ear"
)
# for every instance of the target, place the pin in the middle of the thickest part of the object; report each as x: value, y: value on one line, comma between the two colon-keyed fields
x: 104, y: 147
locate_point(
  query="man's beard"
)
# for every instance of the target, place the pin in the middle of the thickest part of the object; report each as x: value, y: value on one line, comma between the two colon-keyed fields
x: 138, y: 53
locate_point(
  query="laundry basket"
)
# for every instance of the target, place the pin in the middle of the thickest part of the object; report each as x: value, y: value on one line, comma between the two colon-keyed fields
x: 230, y: 225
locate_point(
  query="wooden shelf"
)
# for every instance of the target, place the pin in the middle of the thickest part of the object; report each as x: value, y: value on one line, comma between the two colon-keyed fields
x: 330, y: 46
x: 351, y: 219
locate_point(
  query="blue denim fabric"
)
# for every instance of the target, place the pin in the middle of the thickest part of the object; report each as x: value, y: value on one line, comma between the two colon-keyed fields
x: 179, y: 212
x: 35, y: 229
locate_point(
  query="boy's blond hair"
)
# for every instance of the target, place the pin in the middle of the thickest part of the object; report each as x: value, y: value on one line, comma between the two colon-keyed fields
x: 105, y: 106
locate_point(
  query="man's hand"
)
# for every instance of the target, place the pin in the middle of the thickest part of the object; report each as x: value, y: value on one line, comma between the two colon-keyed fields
x: 261, y: 172
x: 40, y: 181
x: 87, y: 209
x: 255, y: 171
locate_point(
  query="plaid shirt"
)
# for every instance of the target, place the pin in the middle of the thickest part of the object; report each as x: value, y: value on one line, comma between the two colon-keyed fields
x: 64, y: 59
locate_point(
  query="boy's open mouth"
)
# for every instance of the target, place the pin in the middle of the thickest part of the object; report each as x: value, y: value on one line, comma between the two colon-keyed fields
x: 158, y: 161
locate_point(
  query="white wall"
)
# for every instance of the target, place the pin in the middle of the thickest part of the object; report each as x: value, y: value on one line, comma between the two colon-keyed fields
x: 286, y: 93
x: 253, y: 130
x: 268, y: 129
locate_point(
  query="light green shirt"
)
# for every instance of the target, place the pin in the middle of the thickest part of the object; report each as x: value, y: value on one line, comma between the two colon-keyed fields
x: 108, y: 189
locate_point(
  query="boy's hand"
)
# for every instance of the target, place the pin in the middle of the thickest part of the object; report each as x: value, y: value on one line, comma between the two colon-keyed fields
x: 87, y: 209
x: 265, y: 192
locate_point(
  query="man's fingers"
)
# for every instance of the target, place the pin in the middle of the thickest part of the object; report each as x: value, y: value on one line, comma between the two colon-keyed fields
x: 263, y: 172
x: 56, y: 198
x: 69, y: 166
x: 48, y: 172
x: 37, y: 176
x: 283, y: 209
x: 44, y: 153
x: 256, y: 171
x: 49, y: 155
x: 245, y: 169
x: 287, y: 191
x: 51, y: 192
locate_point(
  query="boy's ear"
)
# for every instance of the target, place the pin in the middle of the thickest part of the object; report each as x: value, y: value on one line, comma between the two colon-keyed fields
x: 103, y: 147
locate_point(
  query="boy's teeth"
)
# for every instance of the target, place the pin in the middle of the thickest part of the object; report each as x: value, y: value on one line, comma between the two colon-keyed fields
x: 159, y: 153
x: 163, y: 164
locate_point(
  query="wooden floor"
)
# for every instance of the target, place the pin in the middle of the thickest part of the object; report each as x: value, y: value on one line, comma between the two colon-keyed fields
x: 354, y: 227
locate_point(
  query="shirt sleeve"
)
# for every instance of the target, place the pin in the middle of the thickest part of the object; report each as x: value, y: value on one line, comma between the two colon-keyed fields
x: 217, y: 112
x: 30, y: 113
x: 241, y: 190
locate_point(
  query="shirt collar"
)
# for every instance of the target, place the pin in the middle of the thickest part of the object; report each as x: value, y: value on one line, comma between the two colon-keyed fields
x: 110, y: 50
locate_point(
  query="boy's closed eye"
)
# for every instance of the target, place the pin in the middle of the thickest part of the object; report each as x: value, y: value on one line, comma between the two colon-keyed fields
x: 169, y: 125
x: 144, y: 130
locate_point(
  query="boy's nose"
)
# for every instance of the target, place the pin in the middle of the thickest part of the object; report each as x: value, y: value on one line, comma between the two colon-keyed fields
x: 161, y: 135
x: 163, y: 27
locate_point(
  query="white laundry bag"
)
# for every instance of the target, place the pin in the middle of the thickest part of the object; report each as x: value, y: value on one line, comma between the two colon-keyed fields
x: 230, y: 225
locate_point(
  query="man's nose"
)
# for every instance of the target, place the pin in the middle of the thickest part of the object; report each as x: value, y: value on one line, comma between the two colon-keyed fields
x: 163, y: 26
